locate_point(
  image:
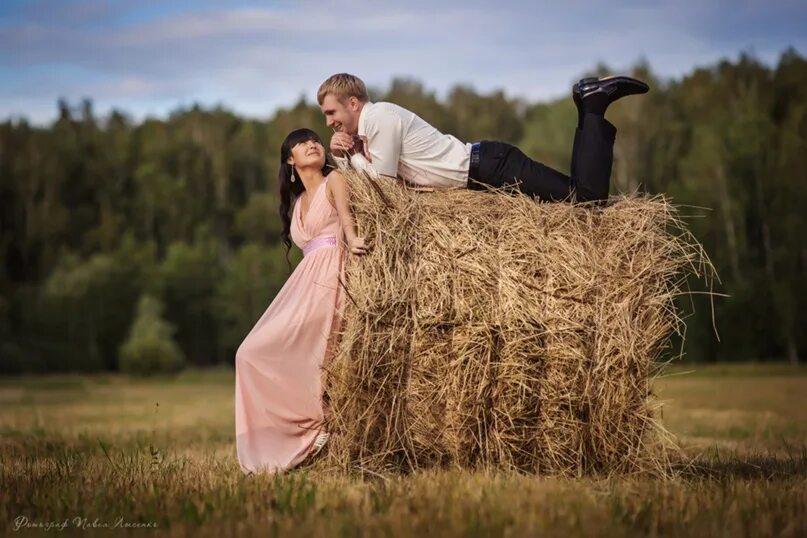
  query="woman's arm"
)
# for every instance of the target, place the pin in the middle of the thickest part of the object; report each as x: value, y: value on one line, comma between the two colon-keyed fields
x: 337, y: 193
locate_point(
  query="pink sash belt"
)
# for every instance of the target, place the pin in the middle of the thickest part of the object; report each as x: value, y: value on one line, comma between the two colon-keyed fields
x: 319, y: 242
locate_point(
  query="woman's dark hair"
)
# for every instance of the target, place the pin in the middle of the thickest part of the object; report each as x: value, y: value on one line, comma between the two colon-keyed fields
x: 290, y: 191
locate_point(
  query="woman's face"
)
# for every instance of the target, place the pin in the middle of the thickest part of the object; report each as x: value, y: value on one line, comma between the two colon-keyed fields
x: 308, y: 154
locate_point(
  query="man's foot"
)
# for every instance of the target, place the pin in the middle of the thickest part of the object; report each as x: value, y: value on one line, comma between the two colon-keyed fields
x: 593, y: 95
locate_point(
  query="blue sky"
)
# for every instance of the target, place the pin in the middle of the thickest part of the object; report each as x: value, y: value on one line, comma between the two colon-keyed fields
x: 149, y: 57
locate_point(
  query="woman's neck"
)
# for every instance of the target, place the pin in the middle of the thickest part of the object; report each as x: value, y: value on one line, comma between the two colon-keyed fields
x: 311, y: 178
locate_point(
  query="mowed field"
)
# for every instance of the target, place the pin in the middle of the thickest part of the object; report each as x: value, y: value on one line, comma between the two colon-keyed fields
x: 108, y: 455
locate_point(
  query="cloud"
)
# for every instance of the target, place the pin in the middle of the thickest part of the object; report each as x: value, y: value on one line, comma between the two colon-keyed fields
x: 254, y: 58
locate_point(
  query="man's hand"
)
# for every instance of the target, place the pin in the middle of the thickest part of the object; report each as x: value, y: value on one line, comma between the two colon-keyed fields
x: 341, y: 144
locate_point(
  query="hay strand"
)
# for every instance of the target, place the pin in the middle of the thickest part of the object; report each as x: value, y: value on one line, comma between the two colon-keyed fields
x: 485, y: 329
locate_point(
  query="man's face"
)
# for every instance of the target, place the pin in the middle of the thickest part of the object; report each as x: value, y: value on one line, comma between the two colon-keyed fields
x: 343, y: 117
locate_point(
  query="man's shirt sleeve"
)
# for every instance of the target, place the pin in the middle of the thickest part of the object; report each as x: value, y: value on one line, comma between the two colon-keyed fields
x: 384, y: 132
x: 341, y: 162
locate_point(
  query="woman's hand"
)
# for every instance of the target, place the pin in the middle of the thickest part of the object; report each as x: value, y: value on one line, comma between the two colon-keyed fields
x: 338, y: 189
x: 357, y: 246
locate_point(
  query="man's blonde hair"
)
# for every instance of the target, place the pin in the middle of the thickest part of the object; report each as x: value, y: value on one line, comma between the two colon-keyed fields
x: 343, y: 86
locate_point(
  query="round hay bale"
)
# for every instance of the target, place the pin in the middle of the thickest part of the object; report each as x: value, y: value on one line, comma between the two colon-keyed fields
x: 485, y: 329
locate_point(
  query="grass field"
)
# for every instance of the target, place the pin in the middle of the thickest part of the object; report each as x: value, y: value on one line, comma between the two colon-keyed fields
x: 107, y: 455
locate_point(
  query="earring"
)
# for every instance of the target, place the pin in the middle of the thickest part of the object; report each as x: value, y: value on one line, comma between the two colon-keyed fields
x: 292, y: 172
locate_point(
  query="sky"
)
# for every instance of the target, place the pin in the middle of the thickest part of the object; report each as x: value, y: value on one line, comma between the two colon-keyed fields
x: 148, y: 58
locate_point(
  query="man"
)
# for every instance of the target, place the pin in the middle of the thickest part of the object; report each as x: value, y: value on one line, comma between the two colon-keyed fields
x: 386, y: 139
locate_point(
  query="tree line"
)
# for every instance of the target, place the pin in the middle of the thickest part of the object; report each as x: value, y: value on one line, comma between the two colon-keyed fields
x: 162, y: 235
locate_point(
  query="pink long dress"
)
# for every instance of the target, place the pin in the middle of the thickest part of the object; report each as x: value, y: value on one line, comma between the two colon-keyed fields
x: 278, y: 366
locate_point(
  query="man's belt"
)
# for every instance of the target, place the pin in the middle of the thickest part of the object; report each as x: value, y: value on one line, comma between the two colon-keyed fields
x: 473, y: 168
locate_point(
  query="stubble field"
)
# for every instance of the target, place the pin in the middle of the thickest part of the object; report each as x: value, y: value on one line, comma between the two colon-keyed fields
x: 109, y: 455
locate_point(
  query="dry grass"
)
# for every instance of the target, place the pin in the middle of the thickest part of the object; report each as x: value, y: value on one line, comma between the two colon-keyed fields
x: 98, y: 447
x: 84, y: 451
x: 486, y: 330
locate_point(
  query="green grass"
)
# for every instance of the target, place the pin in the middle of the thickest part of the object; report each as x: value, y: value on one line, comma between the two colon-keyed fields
x: 740, y: 369
x: 160, y: 452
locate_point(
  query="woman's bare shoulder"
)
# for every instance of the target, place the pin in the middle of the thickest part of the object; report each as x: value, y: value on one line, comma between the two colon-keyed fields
x: 334, y: 177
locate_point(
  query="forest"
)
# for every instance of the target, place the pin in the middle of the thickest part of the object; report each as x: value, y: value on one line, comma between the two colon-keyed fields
x: 163, y: 234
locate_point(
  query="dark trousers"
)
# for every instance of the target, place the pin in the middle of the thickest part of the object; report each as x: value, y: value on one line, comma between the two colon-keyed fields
x: 502, y: 164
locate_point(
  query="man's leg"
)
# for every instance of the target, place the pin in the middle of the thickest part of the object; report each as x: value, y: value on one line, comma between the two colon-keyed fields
x: 592, y: 152
x: 502, y: 164
x: 592, y: 159
x: 593, y: 149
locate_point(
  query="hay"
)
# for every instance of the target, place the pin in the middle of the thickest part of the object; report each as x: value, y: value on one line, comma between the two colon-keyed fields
x: 485, y: 329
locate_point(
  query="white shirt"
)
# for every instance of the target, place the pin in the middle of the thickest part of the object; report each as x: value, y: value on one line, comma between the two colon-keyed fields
x: 399, y: 142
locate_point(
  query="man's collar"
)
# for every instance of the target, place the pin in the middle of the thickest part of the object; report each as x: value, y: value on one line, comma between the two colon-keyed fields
x: 363, y: 118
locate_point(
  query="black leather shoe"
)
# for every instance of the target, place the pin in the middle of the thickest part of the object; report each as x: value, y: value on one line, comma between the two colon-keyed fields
x: 614, y: 87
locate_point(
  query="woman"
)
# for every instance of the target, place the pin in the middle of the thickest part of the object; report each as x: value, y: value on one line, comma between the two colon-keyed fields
x: 278, y: 390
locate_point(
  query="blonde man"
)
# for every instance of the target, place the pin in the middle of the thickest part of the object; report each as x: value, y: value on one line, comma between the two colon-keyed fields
x: 386, y: 139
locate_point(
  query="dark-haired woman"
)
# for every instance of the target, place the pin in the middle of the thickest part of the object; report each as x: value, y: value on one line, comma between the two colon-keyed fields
x: 278, y: 366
